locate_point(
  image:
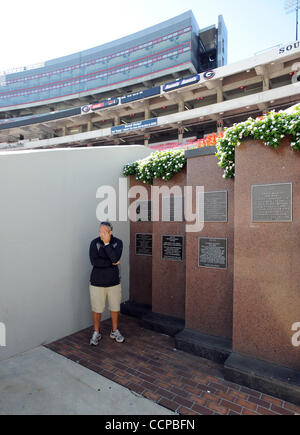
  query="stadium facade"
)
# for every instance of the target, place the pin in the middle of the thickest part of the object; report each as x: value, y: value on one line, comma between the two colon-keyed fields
x: 196, y: 94
x: 173, y: 47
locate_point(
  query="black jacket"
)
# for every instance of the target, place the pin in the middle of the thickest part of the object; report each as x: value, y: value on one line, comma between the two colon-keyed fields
x: 102, y: 257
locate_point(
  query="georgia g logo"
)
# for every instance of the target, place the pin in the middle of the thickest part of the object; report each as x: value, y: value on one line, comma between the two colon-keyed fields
x: 296, y: 336
x: 85, y: 109
x: 209, y: 75
x: 296, y: 73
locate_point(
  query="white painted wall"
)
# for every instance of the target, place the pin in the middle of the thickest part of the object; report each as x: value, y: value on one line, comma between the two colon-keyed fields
x: 47, y: 221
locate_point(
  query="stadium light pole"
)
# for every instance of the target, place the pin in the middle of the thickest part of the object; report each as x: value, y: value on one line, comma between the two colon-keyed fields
x: 293, y: 6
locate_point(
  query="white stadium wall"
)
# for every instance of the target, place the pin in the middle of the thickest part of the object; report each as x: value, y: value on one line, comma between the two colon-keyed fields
x: 48, y: 219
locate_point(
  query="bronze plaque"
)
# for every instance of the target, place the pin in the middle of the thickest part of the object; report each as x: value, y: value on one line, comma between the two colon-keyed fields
x: 215, y: 206
x: 213, y: 253
x: 272, y: 203
x: 173, y: 248
x: 143, y: 244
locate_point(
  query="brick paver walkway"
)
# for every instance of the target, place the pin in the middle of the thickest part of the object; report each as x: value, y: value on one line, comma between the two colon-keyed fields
x: 148, y: 364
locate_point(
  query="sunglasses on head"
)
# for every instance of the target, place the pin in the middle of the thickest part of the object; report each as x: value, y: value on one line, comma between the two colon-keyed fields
x: 107, y: 224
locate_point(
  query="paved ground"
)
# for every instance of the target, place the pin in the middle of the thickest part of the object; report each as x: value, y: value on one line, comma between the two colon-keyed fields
x: 148, y: 364
x: 41, y: 382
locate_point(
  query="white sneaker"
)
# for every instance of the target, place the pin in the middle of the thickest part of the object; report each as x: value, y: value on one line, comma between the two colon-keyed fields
x: 95, y: 339
x: 117, y: 336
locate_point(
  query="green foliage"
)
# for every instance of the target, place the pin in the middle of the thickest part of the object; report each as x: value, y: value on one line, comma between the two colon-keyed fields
x: 162, y: 165
x: 271, y: 129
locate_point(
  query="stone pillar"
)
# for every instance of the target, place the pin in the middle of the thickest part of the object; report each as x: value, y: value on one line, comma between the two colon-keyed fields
x: 147, y: 112
x: 266, y: 82
x: 266, y: 270
x: 116, y: 120
x: 146, y: 139
x: 220, y: 96
x: 220, y: 125
x: 168, y: 263
x: 140, y: 277
x: 180, y: 134
x: 90, y: 126
x: 180, y: 106
x: 209, y: 262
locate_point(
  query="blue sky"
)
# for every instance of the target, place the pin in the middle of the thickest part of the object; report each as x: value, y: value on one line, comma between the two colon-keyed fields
x: 33, y: 31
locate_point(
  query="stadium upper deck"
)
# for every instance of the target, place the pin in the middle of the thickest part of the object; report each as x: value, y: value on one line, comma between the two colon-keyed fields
x: 166, y: 110
x: 192, y: 107
x: 172, y: 47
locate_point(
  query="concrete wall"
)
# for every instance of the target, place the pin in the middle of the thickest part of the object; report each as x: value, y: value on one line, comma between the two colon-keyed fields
x: 47, y: 221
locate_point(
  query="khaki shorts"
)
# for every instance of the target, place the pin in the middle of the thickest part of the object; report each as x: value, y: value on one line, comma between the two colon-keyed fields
x: 98, y: 298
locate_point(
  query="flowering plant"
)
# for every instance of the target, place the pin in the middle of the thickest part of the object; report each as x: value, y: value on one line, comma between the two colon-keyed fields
x: 271, y: 129
x: 158, y: 165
